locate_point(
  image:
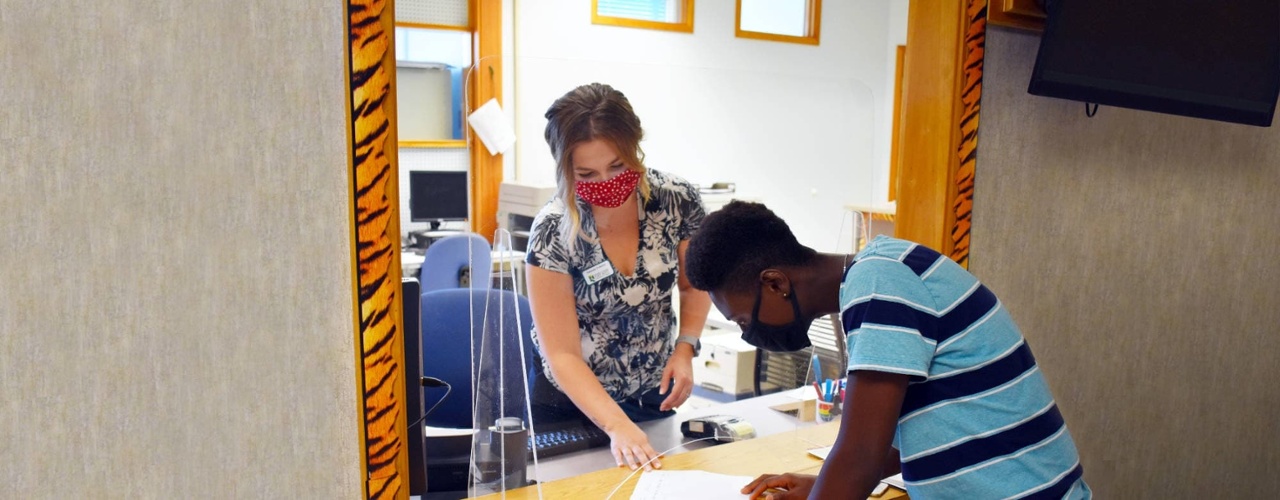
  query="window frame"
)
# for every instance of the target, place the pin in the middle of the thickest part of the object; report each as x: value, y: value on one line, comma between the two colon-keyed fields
x: 411, y: 24
x: 440, y: 142
x: 684, y: 26
x: 812, y: 37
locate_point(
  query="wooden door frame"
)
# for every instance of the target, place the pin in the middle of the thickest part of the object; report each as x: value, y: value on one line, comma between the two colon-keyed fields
x: 375, y: 230
x: 375, y: 223
x: 486, y: 83
x: 941, y: 103
x: 895, y: 137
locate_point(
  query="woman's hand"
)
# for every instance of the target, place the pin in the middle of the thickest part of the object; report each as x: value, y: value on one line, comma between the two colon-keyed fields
x: 679, y: 372
x: 792, y: 486
x: 630, y: 447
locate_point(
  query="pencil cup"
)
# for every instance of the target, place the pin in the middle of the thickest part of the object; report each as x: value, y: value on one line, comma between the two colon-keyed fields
x: 826, y: 411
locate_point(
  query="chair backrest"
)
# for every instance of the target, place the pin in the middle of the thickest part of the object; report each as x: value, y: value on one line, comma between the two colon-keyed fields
x: 448, y: 259
x: 447, y: 319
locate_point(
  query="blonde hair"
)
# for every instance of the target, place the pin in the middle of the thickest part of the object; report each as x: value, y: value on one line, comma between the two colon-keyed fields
x: 590, y: 112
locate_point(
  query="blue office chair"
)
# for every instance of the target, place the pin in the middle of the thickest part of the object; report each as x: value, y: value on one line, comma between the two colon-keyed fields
x: 453, y: 260
x: 446, y: 345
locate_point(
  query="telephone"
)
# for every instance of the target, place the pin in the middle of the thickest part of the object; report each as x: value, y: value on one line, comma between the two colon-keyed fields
x: 724, y: 428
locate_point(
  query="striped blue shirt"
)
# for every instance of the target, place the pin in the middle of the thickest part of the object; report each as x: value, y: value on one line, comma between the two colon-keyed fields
x: 978, y: 420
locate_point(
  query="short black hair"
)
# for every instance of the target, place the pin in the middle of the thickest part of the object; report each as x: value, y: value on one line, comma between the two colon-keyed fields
x: 736, y: 243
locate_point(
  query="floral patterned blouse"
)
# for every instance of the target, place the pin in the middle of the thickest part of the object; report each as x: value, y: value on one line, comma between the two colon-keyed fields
x: 626, y: 322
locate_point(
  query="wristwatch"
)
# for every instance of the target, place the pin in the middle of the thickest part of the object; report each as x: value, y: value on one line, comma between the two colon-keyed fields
x: 691, y: 340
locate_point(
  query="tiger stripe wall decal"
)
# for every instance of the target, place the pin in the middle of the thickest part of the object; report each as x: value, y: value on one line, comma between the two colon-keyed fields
x: 375, y: 195
x: 975, y: 35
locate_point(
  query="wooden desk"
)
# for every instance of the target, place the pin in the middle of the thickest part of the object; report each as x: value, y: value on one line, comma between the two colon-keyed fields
x: 785, y: 452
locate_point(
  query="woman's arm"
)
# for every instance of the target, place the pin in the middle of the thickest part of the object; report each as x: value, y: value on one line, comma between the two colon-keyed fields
x: 694, y: 305
x: 552, y: 301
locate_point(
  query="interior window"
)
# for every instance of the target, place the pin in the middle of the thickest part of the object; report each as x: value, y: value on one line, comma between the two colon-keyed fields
x: 671, y: 15
x: 430, y: 66
x: 795, y: 21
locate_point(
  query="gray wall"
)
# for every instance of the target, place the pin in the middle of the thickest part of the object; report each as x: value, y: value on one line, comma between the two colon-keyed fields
x: 1140, y: 254
x: 176, y: 316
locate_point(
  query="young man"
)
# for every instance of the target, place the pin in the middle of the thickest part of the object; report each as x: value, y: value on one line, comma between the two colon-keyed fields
x: 937, y: 367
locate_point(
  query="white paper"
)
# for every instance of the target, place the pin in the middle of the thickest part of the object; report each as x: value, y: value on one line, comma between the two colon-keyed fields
x: 895, y: 481
x: 493, y: 128
x: 430, y: 431
x: 688, y: 485
x: 804, y: 393
x: 821, y: 452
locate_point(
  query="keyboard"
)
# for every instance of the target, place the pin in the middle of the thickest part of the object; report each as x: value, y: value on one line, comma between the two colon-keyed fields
x: 559, y: 440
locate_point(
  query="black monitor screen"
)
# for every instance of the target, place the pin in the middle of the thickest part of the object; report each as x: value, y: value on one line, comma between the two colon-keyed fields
x: 437, y: 196
x: 1204, y: 58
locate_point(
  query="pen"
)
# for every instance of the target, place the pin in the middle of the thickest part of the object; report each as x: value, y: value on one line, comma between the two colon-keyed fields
x: 817, y: 368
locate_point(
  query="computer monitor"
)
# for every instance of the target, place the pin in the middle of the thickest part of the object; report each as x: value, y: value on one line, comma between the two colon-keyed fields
x: 437, y: 196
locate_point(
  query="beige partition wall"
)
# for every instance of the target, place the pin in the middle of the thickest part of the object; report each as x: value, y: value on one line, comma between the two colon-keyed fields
x: 1140, y: 253
x: 177, y: 311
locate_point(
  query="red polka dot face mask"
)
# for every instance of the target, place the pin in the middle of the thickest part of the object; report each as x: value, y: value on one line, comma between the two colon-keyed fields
x: 609, y: 193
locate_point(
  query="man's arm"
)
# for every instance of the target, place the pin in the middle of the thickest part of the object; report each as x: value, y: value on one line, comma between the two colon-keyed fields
x: 859, y: 459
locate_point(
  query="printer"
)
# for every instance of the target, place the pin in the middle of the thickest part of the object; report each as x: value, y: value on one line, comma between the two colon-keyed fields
x: 724, y: 370
x: 518, y: 204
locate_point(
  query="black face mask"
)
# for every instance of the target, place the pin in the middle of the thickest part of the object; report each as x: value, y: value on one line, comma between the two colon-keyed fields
x: 793, y: 336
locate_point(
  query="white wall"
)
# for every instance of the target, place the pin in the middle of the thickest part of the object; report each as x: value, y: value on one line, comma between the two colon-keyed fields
x: 509, y: 91
x: 897, y: 34
x: 800, y: 127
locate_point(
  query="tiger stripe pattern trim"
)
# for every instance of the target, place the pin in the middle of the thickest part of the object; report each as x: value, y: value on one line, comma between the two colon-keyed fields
x: 377, y: 276
x: 975, y: 37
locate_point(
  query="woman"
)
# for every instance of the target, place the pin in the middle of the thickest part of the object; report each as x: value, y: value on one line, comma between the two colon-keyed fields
x: 603, y: 258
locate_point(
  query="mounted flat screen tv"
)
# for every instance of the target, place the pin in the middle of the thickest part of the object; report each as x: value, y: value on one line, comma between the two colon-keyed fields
x: 1213, y: 59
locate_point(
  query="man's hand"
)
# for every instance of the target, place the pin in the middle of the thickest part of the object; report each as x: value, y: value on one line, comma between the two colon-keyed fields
x: 792, y: 486
x: 679, y: 372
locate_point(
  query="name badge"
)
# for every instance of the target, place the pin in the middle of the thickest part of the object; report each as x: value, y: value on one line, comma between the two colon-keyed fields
x: 598, y: 272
